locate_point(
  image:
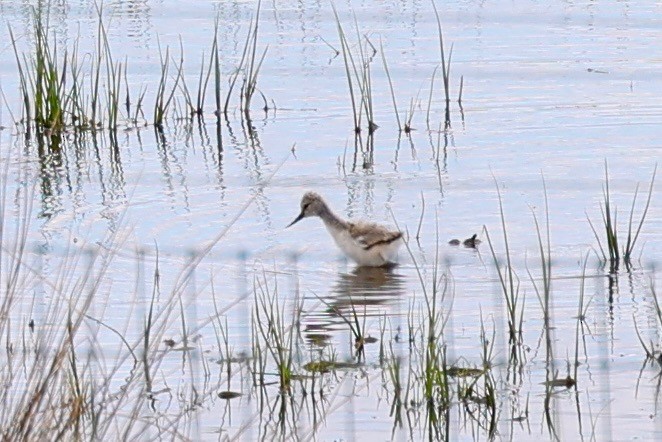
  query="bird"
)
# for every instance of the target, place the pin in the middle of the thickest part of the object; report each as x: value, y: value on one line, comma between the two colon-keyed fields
x: 471, y: 242
x: 367, y: 244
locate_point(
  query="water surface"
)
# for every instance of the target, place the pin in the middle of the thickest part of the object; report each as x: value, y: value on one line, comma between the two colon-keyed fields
x: 551, y: 91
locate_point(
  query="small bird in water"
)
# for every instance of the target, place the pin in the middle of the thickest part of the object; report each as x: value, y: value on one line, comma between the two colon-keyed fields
x: 368, y: 244
x: 470, y: 243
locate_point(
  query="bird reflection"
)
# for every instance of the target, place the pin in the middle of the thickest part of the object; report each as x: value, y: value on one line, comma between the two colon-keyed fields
x: 366, y: 291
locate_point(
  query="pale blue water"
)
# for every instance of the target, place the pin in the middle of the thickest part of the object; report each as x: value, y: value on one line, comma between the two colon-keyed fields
x: 551, y: 89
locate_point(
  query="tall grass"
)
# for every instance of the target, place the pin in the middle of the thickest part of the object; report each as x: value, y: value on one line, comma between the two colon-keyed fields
x: 58, y: 383
x: 277, y: 333
x: 248, y: 68
x: 42, y: 78
x: 509, y: 283
x: 445, y: 68
x: 358, y: 75
x: 165, y: 91
x: 611, y: 250
x: 68, y: 372
x: 431, y: 370
x: 544, y: 293
x: 63, y: 90
x: 59, y: 89
x: 251, y: 68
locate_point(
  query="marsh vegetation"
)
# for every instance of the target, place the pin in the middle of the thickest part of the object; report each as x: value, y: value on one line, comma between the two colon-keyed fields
x: 149, y: 290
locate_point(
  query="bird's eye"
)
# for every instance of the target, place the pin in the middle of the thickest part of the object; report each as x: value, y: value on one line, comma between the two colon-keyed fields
x: 305, y: 206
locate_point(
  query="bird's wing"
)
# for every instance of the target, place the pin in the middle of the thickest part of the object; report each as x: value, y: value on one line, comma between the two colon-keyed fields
x: 370, y: 235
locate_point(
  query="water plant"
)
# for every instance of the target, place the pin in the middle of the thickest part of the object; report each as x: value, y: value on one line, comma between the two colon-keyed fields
x: 356, y: 327
x: 544, y: 293
x: 509, y: 283
x: 251, y: 64
x: 277, y: 333
x: 445, y: 68
x: 165, y: 92
x: 582, y: 308
x: 56, y: 95
x: 430, y: 371
x: 358, y: 75
x: 41, y: 79
x: 62, y: 91
x: 610, y: 250
x: 197, y: 108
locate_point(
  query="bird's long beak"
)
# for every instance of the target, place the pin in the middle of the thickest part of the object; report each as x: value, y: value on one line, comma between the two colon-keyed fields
x: 296, y: 220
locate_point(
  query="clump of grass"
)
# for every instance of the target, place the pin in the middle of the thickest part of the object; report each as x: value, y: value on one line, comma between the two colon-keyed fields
x: 196, y: 108
x: 63, y: 377
x: 252, y: 66
x: 56, y: 385
x: 249, y: 68
x: 165, y: 92
x: 476, y: 387
x: 54, y: 87
x: 358, y: 74
x: 62, y: 91
x: 277, y: 334
x: 356, y: 327
x: 610, y: 250
x: 430, y: 371
x: 42, y: 78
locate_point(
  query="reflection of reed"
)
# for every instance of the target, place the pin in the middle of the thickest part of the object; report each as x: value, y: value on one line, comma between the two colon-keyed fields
x: 365, y: 291
x: 67, y: 164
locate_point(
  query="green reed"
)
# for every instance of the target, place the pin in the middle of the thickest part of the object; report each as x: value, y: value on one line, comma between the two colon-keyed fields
x: 252, y: 66
x: 215, y: 63
x: 544, y: 249
x: 165, y: 91
x: 197, y: 108
x: 611, y: 251
x: 367, y: 55
x: 445, y: 66
x: 61, y: 90
x: 544, y: 292
x: 358, y: 75
x: 430, y: 370
x: 42, y: 78
x: 134, y: 111
x: 347, y: 59
x: 356, y: 327
x: 582, y: 308
x: 430, y: 95
x: 509, y: 283
x: 277, y: 333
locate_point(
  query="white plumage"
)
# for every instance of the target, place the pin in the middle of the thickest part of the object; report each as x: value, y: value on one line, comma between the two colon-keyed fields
x: 367, y: 244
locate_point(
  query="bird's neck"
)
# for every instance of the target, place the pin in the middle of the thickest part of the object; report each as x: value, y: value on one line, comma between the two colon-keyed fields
x: 331, y: 220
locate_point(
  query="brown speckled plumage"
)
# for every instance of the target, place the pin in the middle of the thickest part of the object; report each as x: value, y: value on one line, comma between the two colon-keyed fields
x: 368, y: 244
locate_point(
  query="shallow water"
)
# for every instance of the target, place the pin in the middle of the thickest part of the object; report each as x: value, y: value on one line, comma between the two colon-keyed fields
x: 550, y: 91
